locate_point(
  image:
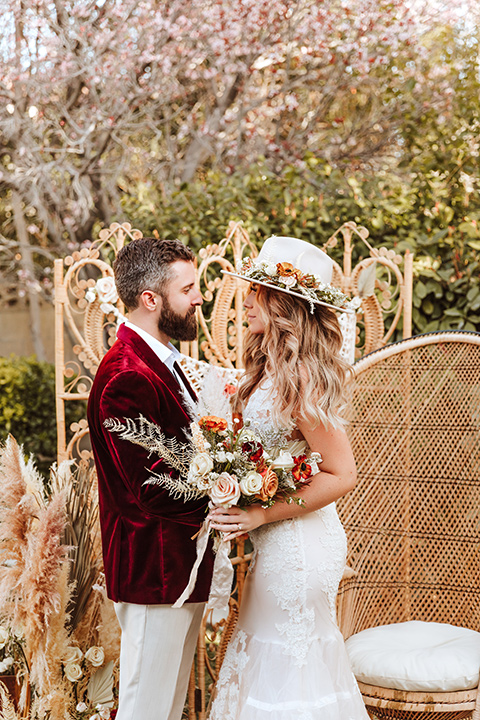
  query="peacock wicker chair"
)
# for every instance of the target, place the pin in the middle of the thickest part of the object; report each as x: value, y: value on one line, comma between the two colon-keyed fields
x: 413, y: 521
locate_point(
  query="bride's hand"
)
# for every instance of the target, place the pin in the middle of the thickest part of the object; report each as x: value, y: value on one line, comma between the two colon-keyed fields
x: 237, y: 521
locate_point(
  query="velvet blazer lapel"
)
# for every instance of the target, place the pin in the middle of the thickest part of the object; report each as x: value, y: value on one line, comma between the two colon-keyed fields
x: 150, y: 358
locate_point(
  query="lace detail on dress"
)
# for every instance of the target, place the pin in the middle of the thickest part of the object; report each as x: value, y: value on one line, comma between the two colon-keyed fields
x: 287, y: 659
x: 228, y: 689
x: 284, y: 558
x: 258, y: 413
x: 330, y: 568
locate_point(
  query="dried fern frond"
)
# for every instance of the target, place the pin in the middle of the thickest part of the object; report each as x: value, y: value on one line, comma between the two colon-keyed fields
x: 177, y: 487
x: 7, y: 709
x: 150, y: 436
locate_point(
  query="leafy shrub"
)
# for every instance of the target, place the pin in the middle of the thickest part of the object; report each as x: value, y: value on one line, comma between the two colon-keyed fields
x: 27, y: 407
x: 432, y: 214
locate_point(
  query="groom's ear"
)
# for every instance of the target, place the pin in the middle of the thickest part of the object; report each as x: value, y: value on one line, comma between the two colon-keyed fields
x: 150, y: 300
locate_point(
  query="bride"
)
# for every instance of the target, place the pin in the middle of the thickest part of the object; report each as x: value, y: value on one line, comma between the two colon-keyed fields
x: 286, y: 659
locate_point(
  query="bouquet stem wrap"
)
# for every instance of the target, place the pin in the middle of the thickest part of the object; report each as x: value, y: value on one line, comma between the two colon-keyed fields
x: 222, y: 572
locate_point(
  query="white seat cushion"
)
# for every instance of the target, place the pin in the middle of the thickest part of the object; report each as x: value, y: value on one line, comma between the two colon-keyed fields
x: 416, y: 656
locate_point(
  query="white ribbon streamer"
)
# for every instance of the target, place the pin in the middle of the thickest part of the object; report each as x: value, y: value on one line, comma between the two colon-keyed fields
x: 222, y: 572
x: 222, y: 579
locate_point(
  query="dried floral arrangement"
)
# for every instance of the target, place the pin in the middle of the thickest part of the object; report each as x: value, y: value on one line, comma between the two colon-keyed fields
x: 60, y: 632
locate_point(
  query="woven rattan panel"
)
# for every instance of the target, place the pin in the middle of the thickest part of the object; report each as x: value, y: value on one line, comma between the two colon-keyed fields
x: 385, y: 714
x: 413, y: 522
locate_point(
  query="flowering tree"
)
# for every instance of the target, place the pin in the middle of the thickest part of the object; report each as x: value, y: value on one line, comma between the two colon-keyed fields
x: 95, y: 93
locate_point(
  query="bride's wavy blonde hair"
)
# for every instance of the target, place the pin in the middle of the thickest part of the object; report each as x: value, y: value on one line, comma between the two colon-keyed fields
x: 299, y: 352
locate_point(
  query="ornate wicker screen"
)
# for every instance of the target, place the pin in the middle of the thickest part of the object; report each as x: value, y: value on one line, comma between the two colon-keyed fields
x: 92, y: 325
x: 413, y: 521
x: 220, y: 319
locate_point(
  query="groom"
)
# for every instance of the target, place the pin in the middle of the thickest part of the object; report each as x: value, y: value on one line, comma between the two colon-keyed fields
x: 148, y: 549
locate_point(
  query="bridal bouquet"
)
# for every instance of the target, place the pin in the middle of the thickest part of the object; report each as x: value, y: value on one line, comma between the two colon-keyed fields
x: 231, y: 468
x: 236, y: 468
x: 228, y: 465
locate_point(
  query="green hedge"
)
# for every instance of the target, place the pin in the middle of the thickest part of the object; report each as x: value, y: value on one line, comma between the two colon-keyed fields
x: 27, y: 407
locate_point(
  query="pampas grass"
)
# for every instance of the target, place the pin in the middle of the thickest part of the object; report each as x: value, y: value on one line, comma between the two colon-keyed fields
x: 108, y: 627
x: 40, y: 582
x: 18, y: 509
x: 49, y: 563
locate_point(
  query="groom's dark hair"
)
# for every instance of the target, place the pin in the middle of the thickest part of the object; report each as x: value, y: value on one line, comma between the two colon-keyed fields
x: 144, y: 264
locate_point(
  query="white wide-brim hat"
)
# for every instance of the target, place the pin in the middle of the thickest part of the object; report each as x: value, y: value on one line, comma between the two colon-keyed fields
x: 295, y: 267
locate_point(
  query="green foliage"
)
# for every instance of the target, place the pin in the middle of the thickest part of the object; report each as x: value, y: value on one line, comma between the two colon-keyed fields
x: 431, y: 213
x: 27, y: 407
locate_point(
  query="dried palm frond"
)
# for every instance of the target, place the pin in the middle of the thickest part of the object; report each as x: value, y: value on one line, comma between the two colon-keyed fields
x: 100, y: 686
x: 82, y: 535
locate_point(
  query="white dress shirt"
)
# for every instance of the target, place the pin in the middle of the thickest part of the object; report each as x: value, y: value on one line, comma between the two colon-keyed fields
x: 168, y: 354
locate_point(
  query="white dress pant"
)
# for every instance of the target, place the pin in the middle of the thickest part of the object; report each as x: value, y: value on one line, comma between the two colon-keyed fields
x: 157, y: 648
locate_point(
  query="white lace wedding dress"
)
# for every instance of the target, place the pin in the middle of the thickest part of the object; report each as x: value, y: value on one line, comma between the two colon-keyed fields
x: 286, y: 659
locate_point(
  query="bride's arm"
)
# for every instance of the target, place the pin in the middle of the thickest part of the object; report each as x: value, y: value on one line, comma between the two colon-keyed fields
x: 336, y: 478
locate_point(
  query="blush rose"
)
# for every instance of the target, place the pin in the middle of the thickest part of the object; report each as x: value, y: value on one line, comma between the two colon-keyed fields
x: 225, y: 491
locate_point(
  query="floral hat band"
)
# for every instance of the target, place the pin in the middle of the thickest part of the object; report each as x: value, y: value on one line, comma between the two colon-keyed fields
x: 297, y: 268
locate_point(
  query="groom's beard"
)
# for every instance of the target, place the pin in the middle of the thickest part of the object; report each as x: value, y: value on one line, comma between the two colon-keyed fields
x: 176, y: 326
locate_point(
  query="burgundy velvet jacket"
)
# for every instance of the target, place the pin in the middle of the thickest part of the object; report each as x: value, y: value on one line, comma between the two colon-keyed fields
x: 146, y: 534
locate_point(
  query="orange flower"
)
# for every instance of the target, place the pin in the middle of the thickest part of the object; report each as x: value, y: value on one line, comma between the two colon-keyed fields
x: 286, y: 269
x: 213, y: 423
x: 270, y: 485
x: 301, y: 470
x: 229, y: 389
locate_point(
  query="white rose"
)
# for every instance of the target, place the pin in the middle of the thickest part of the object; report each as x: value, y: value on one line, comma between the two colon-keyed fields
x: 73, y: 671
x: 104, y: 713
x: 205, y: 483
x: 225, y: 491
x: 107, y: 292
x: 201, y: 464
x: 81, y: 707
x: 73, y: 654
x: 95, y: 656
x: 8, y: 662
x: 271, y: 270
x: 3, y: 636
x: 252, y: 483
x: 246, y: 435
x: 284, y: 460
x: 289, y: 281
x: 90, y: 295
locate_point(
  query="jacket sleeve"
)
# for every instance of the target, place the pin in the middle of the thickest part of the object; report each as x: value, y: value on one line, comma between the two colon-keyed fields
x: 129, y: 395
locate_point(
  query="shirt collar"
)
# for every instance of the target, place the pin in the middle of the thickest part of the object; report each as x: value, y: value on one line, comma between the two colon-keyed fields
x: 166, y: 353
